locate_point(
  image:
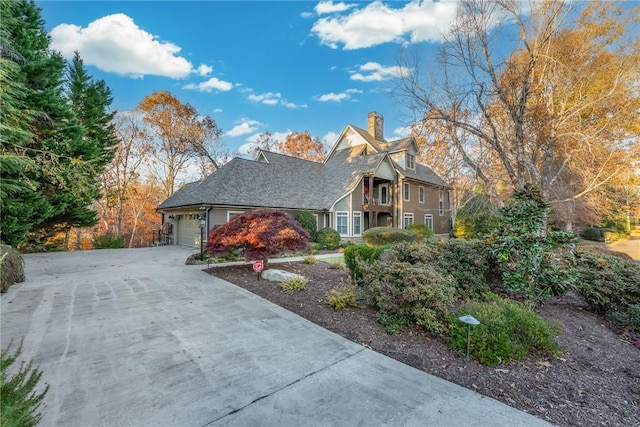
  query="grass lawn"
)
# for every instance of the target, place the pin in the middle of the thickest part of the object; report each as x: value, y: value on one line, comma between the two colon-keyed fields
x: 338, y: 259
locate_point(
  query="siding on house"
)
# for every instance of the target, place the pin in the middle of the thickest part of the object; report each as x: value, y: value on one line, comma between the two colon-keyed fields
x: 358, y: 159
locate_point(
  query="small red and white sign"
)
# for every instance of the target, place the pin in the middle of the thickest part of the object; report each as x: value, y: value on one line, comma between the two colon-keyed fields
x: 258, y: 266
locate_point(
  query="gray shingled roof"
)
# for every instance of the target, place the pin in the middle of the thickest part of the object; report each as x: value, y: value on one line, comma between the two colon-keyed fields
x: 286, y: 182
x: 280, y: 182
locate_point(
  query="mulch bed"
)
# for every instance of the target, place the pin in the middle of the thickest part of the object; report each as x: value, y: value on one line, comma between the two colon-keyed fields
x: 595, y: 382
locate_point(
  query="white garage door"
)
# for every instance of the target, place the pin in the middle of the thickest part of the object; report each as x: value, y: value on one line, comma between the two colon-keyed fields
x: 188, y: 231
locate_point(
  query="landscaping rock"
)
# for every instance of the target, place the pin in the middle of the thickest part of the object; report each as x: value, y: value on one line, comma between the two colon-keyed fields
x: 275, y: 275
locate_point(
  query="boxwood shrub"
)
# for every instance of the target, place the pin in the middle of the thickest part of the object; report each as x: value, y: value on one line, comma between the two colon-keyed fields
x: 328, y: 238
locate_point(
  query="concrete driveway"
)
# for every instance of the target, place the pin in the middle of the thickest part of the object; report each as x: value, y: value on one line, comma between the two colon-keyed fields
x: 136, y: 338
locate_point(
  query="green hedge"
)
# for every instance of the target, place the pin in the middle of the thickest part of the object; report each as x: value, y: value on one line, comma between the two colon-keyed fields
x: 380, y: 236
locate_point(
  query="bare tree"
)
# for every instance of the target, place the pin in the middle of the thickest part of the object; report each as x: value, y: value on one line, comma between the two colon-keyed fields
x: 553, y: 111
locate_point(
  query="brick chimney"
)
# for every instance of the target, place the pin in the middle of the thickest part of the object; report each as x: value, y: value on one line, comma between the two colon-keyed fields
x: 375, y: 125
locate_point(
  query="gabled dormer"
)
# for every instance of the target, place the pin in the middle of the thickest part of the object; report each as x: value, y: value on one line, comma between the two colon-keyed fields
x: 353, y: 136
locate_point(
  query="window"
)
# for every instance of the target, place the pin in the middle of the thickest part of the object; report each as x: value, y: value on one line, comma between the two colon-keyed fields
x: 231, y: 214
x: 421, y: 194
x: 428, y: 221
x: 406, y: 191
x: 384, y: 194
x: 357, y: 223
x: 408, y: 220
x: 441, y: 203
x: 342, y: 223
x: 411, y: 161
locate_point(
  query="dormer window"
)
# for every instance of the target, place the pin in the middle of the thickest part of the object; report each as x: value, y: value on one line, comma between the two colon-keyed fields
x: 411, y: 161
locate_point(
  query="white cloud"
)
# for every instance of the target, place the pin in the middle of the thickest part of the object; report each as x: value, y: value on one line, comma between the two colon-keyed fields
x: 271, y: 98
x: 281, y: 136
x: 212, y: 84
x: 244, y: 127
x: 377, y: 23
x: 293, y: 105
x: 329, y: 139
x: 325, y: 7
x: 114, y: 43
x: 268, y: 98
x: 402, y: 132
x: 337, y: 97
x: 204, y: 70
x: 247, y: 149
x: 217, y: 110
x: 375, y: 72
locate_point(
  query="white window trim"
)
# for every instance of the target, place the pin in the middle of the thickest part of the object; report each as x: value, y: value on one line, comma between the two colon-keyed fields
x: 405, y: 216
x: 421, y: 194
x: 413, y: 161
x: 359, y: 215
x: 406, y: 196
x: 380, y: 187
x: 425, y: 220
x: 346, y: 214
x: 230, y: 213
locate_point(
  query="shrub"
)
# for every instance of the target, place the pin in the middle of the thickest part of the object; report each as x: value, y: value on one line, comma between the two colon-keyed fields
x: 20, y: 401
x: 593, y: 234
x: 108, y: 241
x: 478, y: 218
x: 468, y: 261
x: 293, y: 284
x: 364, y: 252
x: 343, y: 296
x: 421, y: 230
x: 532, y: 262
x: 311, y: 260
x: 11, y: 267
x: 336, y: 265
x: 507, y: 331
x: 307, y: 220
x: 465, y: 261
x: 380, y: 236
x: 406, y: 293
x: 258, y: 233
x: 610, y: 284
x: 328, y: 238
x: 314, y: 248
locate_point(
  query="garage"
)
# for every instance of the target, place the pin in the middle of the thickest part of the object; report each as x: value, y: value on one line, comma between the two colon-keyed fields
x: 188, y: 230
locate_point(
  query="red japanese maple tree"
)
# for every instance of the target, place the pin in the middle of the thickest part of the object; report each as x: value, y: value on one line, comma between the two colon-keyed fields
x: 259, y: 233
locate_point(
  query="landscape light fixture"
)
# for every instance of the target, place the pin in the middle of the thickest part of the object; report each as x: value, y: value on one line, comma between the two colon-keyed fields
x: 469, y: 320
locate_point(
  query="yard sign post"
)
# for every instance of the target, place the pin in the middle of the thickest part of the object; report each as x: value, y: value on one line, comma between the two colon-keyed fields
x: 258, y: 266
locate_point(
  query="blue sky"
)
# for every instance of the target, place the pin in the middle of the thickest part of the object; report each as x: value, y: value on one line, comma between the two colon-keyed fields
x: 254, y: 66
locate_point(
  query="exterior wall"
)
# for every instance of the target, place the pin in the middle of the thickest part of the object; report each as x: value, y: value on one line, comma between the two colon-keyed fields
x: 431, y: 206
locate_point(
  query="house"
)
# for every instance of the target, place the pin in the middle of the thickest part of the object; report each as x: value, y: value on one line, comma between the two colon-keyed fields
x: 364, y: 182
